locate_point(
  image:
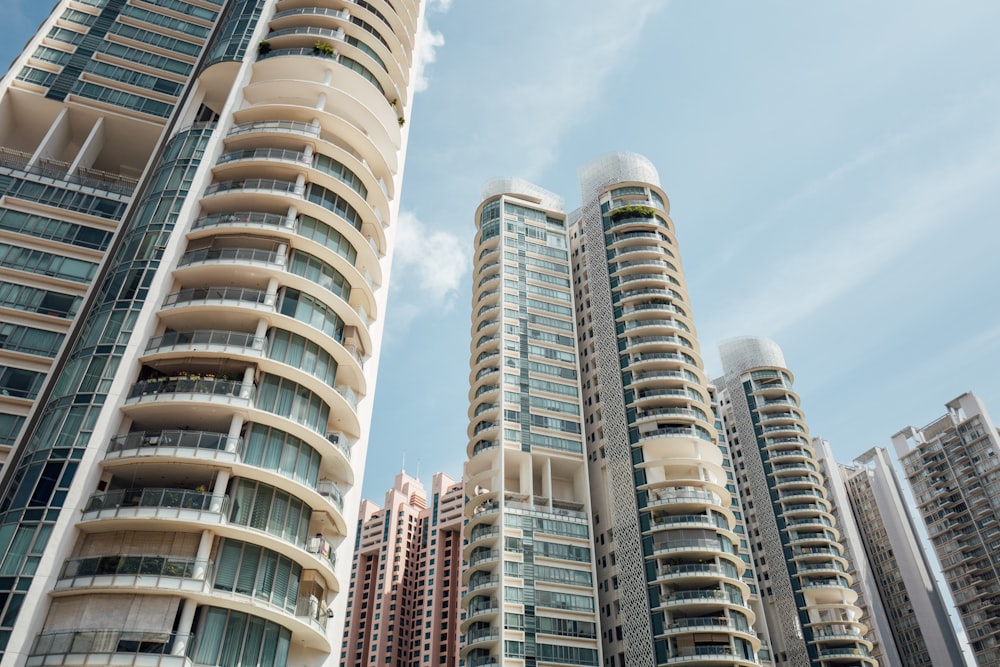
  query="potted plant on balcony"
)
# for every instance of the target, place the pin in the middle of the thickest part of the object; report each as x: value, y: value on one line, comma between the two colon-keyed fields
x: 321, y: 48
x: 263, y: 47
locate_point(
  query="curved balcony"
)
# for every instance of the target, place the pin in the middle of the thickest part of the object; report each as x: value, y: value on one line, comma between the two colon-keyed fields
x: 190, y: 389
x: 366, y: 266
x: 112, y: 646
x: 486, y: 448
x: 669, y: 324
x: 634, y: 342
x: 480, y: 639
x: 481, y: 608
x: 697, y: 571
x: 644, y: 280
x: 684, y: 496
x: 287, y: 81
x: 129, y: 572
x: 206, y: 342
x: 186, y: 505
x: 709, y: 655
x: 170, y: 444
x: 483, y: 583
x: 707, y: 624
x: 710, y: 596
x: 220, y: 300
x: 694, y: 547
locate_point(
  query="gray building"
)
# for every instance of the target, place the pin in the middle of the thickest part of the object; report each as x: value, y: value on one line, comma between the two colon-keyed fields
x: 953, y: 467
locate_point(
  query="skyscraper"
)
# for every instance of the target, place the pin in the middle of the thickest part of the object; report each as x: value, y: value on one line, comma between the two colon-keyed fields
x: 667, y: 534
x: 530, y: 576
x: 803, y: 572
x: 953, y: 467
x: 186, y: 470
x: 404, y: 606
x: 667, y: 549
x: 910, y: 609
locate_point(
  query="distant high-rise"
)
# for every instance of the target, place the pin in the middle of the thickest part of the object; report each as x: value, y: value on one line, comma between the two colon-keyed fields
x: 904, y: 599
x: 404, y: 607
x: 530, y: 577
x: 191, y: 467
x: 812, y: 618
x: 953, y: 467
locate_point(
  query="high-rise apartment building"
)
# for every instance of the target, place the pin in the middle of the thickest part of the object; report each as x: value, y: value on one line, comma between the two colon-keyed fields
x: 873, y: 612
x: 186, y: 469
x: 904, y: 599
x: 953, y: 467
x: 405, y: 604
x: 667, y: 535
x: 801, y: 566
x: 596, y: 311
x: 530, y: 576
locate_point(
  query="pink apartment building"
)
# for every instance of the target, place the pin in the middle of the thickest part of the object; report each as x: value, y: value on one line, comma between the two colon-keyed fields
x: 404, y: 602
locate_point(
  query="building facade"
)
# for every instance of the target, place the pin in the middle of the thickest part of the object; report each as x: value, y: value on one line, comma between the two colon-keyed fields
x: 873, y: 612
x: 530, y: 576
x: 800, y: 562
x: 953, y: 467
x: 186, y: 472
x: 911, y: 608
x: 405, y: 605
x: 669, y: 542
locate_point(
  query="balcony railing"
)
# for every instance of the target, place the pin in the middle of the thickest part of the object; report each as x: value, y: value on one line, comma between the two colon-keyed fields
x: 157, y: 498
x: 206, y: 337
x: 155, y: 566
x: 232, y: 255
x: 215, y: 295
x: 193, y: 385
x: 112, y: 640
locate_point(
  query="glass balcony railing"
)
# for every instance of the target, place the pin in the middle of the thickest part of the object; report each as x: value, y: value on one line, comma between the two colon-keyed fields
x: 207, y: 338
x: 110, y: 640
x: 232, y: 255
x: 193, y: 385
x: 147, y: 566
x: 296, y: 127
x: 207, y: 440
x: 157, y: 498
x: 214, y: 295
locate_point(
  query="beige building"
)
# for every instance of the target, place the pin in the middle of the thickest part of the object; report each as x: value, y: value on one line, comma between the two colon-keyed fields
x: 802, y: 568
x: 192, y: 468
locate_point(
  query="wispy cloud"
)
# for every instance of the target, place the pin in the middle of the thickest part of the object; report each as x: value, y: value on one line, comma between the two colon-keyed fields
x: 428, y: 268
x: 428, y: 42
x: 795, y: 283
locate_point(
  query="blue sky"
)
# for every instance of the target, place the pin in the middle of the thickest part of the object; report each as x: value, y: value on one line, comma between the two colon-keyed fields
x: 833, y: 169
x: 834, y: 175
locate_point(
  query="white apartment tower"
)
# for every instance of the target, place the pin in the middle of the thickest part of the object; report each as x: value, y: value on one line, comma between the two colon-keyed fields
x: 671, y: 571
x: 801, y: 566
x: 530, y: 596
x: 189, y: 467
x: 953, y: 467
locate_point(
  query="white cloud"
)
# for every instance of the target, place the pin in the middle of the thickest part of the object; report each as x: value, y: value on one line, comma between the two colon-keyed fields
x: 428, y: 267
x: 439, y: 5
x: 428, y: 42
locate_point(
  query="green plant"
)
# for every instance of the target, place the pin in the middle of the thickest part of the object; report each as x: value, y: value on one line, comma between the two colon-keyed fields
x: 323, y: 49
x: 402, y: 121
x: 264, y: 47
x: 632, y: 212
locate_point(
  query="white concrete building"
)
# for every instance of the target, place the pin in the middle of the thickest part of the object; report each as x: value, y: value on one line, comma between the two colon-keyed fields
x: 192, y: 467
